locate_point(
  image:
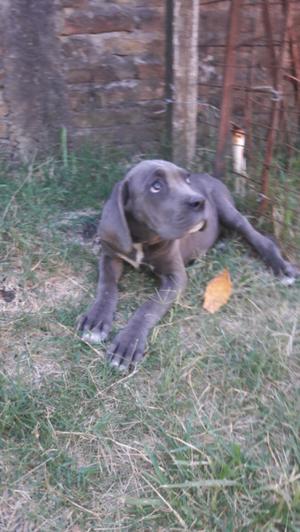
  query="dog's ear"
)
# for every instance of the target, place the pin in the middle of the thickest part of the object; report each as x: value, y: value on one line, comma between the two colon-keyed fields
x: 113, y: 228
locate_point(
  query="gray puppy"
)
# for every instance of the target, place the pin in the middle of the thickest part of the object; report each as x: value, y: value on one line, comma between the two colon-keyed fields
x: 161, y: 216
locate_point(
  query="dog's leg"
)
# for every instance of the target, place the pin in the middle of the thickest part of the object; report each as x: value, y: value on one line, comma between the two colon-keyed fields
x: 267, y: 249
x: 128, y: 346
x: 96, y: 323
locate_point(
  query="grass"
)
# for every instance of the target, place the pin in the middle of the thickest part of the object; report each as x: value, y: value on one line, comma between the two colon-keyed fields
x: 203, y: 436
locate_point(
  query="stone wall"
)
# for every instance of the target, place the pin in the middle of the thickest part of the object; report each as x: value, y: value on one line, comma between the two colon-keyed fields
x: 98, y: 68
x: 113, y: 55
x: 33, y: 90
x: 94, y: 67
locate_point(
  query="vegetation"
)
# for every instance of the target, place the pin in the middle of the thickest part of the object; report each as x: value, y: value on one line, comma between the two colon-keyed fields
x: 204, y: 435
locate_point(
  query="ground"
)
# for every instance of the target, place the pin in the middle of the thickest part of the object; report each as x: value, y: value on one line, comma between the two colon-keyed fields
x: 204, y: 435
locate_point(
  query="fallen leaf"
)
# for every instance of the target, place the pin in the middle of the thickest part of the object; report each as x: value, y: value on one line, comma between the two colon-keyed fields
x: 217, y: 292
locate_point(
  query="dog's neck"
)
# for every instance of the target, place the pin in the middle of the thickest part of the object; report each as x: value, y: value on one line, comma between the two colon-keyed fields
x: 140, y: 232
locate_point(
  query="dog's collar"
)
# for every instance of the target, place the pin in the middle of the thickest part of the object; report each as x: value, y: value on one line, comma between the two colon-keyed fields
x: 135, y: 257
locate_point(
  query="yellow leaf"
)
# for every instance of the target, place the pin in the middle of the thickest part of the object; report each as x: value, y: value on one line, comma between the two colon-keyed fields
x: 217, y: 292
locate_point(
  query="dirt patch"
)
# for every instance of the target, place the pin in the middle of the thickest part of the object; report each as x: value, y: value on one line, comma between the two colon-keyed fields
x: 12, y: 511
x: 23, y: 354
x: 45, y: 294
x: 30, y: 347
x: 78, y: 227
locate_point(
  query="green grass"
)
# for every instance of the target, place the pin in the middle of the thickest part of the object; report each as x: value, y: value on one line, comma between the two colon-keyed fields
x: 203, y: 436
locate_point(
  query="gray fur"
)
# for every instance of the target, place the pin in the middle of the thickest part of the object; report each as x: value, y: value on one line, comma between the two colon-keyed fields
x: 160, y: 228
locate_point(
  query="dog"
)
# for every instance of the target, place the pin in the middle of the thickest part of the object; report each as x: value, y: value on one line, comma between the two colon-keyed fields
x: 161, y: 216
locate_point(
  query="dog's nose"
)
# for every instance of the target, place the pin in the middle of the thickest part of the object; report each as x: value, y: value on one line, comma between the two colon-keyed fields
x: 196, y: 202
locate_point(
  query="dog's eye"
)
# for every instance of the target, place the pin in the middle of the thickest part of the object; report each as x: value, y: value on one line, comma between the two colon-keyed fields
x: 155, y: 187
x: 188, y: 179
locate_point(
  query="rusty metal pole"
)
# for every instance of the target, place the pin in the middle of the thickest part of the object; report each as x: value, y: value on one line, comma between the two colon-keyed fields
x: 269, y: 37
x: 277, y: 75
x: 295, y: 54
x: 228, y: 83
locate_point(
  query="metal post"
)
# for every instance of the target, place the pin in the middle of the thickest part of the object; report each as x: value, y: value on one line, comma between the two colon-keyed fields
x: 277, y: 75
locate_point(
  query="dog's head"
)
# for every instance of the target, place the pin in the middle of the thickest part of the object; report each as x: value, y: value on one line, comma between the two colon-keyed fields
x: 155, y: 198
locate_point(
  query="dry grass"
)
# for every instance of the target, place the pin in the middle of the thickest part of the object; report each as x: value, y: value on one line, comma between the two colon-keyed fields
x: 203, y: 436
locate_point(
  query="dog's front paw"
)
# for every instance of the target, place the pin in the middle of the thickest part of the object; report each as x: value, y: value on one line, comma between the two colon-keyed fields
x: 282, y: 268
x: 287, y: 272
x: 95, y: 325
x: 127, y: 349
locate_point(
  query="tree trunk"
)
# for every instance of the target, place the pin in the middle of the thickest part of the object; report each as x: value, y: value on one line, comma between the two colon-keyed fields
x: 185, y: 80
